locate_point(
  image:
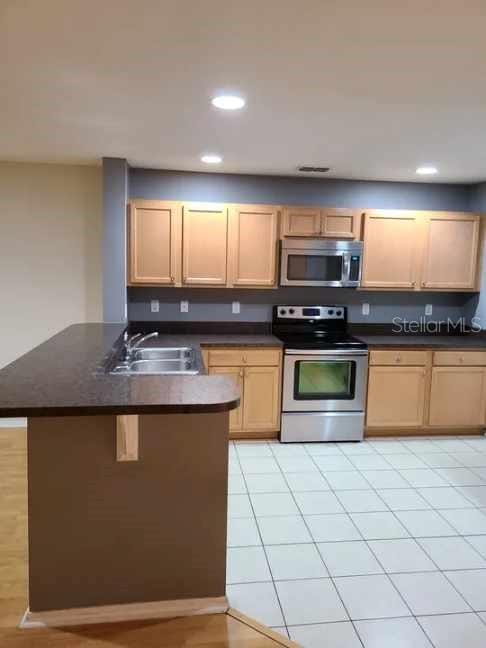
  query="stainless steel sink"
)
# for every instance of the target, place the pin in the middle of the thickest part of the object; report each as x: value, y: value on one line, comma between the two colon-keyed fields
x: 163, y: 353
x: 163, y: 361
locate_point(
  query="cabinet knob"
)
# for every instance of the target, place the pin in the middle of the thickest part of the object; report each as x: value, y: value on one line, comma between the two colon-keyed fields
x: 244, y: 359
x: 242, y: 372
x: 172, y: 279
x: 461, y: 359
x: 398, y: 359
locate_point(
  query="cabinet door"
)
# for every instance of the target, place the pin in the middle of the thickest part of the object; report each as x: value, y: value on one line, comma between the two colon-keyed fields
x: 236, y: 373
x: 396, y: 397
x: 340, y: 223
x: 391, y: 243
x: 252, y: 246
x: 301, y: 221
x: 451, y: 251
x: 261, y: 405
x: 457, y: 396
x: 204, y: 244
x: 155, y: 240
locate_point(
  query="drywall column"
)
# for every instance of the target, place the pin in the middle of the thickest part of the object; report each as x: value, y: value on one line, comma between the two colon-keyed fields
x: 115, y: 194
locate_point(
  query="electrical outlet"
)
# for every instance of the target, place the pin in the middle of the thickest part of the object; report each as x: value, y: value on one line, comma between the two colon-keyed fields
x: 235, y: 308
x: 365, y: 309
x: 154, y: 306
x: 184, y: 306
x: 428, y: 309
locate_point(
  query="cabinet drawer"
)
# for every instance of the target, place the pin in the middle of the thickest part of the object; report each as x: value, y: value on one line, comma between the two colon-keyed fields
x: 460, y: 358
x: 398, y: 357
x: 238, y: 357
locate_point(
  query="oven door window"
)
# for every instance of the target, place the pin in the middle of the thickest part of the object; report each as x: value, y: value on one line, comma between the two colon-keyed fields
x: 324, y: 380
x: 314, y: 267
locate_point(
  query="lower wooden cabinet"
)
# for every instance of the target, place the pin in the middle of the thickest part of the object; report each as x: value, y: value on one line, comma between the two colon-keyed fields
x: 236, y: 373
x: 425, y: 391
x: 261, y: 402
x: 258, y: 415
x: 457, y: 396
x: 396, y: 396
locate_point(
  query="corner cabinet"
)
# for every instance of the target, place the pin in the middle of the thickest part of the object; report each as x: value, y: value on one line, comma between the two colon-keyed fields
x: 204, y: 244
x: 257, y: 372
x: 433, y: 251
x: 252, y: 251
x: 154, y: 234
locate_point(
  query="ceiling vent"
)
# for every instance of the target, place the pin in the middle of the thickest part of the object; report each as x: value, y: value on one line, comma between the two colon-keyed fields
x: 314, y: 169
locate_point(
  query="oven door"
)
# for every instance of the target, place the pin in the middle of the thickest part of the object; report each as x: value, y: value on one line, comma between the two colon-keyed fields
x: 330, y: 381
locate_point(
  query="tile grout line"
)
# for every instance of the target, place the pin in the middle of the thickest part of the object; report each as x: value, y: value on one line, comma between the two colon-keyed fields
x: 284, y: 618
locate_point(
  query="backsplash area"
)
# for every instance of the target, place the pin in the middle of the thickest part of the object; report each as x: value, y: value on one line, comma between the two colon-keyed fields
x: 209, y: 305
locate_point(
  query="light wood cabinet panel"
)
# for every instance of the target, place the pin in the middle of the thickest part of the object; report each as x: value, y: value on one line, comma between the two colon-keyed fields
x: 301, y: 221
x: 242, y: 356
x: 457, y: 396
x: 398, y: 357
x: 450, y: 251
x: 253, y: 234
x: 390, y: 250
x: 154, y: 235
x: 236, y: 374
x: 460, y: 358
x: 261, y: 404
x: 340, y: 223
x: 204, y: 244
x: 396, y: 396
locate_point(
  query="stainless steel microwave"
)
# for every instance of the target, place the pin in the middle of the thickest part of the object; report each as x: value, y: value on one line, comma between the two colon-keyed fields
x: 318, y: 262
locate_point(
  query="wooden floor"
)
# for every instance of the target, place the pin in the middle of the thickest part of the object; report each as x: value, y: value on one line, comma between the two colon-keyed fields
x: 220, y: 630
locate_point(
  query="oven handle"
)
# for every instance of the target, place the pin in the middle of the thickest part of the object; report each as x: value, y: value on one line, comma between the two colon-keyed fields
x: 327, y: 352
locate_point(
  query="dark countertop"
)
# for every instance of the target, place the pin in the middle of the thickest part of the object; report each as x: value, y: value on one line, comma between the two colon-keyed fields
x: 59, y: 378
x: 470, y: 342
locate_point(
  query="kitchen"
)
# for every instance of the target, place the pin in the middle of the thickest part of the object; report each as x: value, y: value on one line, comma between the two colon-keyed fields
x: 280, y: 373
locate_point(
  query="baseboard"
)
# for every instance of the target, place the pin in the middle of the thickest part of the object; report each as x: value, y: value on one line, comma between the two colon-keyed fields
x: 424, y: 431
x: 124, y: 612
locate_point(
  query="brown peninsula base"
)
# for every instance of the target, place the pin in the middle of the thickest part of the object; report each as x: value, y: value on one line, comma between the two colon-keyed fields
x: 104, y: 532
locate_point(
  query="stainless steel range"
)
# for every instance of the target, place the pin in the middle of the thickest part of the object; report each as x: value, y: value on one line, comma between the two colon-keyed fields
x: 325, y: 374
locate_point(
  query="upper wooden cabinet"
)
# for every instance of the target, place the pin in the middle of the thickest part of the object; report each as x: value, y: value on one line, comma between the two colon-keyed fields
x: 252, y: 245
x: 154, y: 234
x: 325, y: 222
x: 406, y: 250
x: 390, y: 250
x: 204, y: 244
x: 340, y: 223
x: 450, y: 251
x: 301, y: 221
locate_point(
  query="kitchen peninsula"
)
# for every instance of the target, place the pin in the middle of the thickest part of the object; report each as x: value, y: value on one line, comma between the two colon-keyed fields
x: 126, y: 519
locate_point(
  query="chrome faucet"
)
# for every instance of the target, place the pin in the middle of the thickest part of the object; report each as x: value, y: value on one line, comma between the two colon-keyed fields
x: 136, y: 340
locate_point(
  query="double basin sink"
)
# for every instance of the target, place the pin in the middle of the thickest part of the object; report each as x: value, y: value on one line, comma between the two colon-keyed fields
x: 165, y: 361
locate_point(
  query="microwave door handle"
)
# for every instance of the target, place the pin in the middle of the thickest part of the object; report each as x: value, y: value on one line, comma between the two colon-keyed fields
x: 347, y: 268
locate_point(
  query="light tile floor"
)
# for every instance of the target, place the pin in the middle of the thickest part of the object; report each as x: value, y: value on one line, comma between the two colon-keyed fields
x: 380, y: 544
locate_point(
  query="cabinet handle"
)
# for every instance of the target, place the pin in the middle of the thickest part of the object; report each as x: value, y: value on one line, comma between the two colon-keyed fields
x: 398, y: 359
x: 242, y: 372
x: 172, y: 279
x: 461, y: 359
x: 244, y: 359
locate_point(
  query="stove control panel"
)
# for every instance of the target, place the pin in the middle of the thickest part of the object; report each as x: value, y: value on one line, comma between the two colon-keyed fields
x: 311, y: 312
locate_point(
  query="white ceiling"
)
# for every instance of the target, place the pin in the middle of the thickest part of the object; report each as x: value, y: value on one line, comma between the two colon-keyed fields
x: 371, y: 88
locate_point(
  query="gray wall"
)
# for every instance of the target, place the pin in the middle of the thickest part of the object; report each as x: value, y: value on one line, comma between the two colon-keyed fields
x: 115, y: 194
x: 211, y: 305
x: 221, y: 187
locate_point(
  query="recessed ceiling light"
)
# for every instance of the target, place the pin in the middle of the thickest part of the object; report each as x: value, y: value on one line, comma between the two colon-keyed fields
x: 211, y: 158
x: 228, y: 102
x: 427, y: 170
